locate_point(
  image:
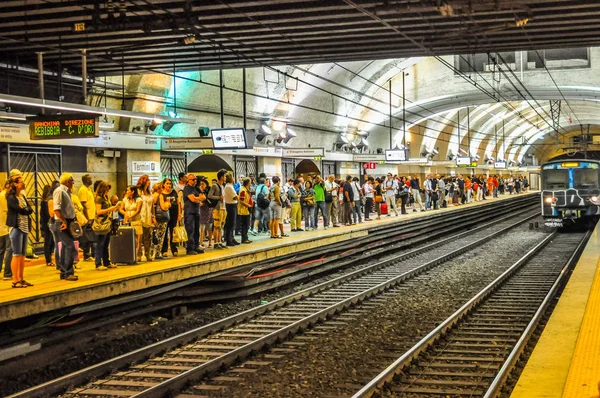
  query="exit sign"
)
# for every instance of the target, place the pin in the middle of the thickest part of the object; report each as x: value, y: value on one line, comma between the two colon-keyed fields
x: 370, y: 166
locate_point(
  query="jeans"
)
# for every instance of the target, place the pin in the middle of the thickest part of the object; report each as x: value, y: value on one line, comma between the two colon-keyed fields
x: 18, y: 242
x: 321, y: 206
x: 357, y: 211
x: 347, y: 213
x: 368, y: 207
x: 54, y: 228
x: 48, y: 244
x: 403, y: 200
x: 169, y: 238
x: 309, y: 218
x: 5, y: 247
x: 192, y: 227
x: 230, y: 222
x: 244, y: 225
x: 65, y: 264
x: 417, y: 197
x: 101, y: 252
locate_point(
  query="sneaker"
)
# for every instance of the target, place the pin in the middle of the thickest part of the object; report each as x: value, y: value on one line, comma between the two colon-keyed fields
x: 88, y: 258
x: 191, y: 253
x: 101, y: 268
x: 253, y: 232
x: 71, y: 278
x: 175, y: 254
x: 219, y: 246
x: 111, y: 265
x: 299, y: 230
x: 247, y: 241
x: 324, y: 227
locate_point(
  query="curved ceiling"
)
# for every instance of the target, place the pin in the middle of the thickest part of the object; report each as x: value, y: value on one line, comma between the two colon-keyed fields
x: 153, y: 35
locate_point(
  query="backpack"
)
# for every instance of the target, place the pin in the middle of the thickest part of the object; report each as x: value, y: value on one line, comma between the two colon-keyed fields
x: 261, y: 201
x: 213, y: 202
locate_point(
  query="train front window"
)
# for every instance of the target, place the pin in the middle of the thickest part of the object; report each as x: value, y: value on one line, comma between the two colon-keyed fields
x: 585, y: 178
x: 555, y: 179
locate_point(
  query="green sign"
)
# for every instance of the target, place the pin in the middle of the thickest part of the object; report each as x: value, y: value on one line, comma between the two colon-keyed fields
x: 63, y: 127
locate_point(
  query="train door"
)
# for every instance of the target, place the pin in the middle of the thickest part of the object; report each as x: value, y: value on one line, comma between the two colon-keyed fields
x: 40, y: 166
x: 245, y: 166
x: 171, y: 164
x: 534, y: 181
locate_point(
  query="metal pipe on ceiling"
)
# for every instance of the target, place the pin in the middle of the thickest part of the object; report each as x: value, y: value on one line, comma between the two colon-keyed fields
x: 83, y: 74
x: 40, y: 60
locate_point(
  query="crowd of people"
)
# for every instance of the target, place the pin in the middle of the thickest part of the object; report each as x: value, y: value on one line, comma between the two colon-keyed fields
x: 212, y: 214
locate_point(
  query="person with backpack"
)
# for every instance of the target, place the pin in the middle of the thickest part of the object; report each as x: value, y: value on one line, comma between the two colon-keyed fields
x: 262, y: 213
x: 216, y: 202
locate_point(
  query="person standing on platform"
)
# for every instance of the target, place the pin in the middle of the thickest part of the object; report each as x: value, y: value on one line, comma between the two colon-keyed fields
x: 231, y: 203
x: 332, y: 200
x: 5, y: 247
x: 276, y: 207
x: 147, y: 216
x: 358, y: 195
x: 191, y: 215
x: 244, y: 209
x: 163, y: 216
x: 415, y: 190
x: 308, y: 206
x: 18, y: 219
x: 320, y: 202
x: 45, y: 213
x: 293, y: 195
x: 216, y: 201
x: 181, y: 183
x: 441, y: 190
x: 131, y: 208
x: 86, y: 197
x: 64, y: 215
x: 369, y: 197
x: 103, y: 211
x: 253, y: 186
x: 262, y: 212
x: 170, y: 195
x: 348, y: 200
x: 391, y: 187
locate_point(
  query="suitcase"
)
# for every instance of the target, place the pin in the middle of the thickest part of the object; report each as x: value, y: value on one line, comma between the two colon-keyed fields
x: 121, y: 249
x: 384, y: 208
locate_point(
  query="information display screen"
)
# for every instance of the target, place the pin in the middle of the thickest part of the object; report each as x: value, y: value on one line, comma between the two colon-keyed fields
x: 63, y: 127
x: 463, y: 161
x: 500, y: 165
x: 233, y: 138
x: 396, y: 155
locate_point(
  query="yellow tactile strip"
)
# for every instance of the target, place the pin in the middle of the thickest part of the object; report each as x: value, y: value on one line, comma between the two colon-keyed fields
x: 545, y: 374
x: 584, y: 374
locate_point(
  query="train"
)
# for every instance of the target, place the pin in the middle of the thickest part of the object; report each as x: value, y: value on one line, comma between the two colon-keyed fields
x: 570, y: 192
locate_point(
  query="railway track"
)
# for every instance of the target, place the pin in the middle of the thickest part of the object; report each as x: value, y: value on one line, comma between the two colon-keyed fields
x: 472, y: 353
x: 190, y: 356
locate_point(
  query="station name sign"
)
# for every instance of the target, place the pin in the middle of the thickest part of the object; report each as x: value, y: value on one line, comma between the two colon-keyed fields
x: 63, y: 127
x: 303, y: 152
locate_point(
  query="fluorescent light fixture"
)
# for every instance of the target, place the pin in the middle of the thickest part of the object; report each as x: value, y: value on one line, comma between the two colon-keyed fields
x: 66, y: 106
x: 13, y: 116
x: 266, y: 129
x: 172, y: 114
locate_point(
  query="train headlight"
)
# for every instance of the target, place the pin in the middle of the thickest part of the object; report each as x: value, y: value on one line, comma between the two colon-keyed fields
x: 594, y: 199
x: 549, y: 199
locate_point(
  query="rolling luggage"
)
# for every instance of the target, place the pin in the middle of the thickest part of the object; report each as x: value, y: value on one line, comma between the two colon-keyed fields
x: 121, y: 249
x: 384, y: 208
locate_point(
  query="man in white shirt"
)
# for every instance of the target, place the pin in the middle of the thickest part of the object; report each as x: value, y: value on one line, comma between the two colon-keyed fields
x: 64, y: 214
x: 391, y: 187
x: 87, y: 199
x: 332, y: 200
x: 369, y: 192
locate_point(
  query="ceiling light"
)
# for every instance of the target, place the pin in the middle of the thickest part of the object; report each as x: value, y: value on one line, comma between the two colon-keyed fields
x: 262, y: 133
x: 168, y: 125
x: 66, y: 106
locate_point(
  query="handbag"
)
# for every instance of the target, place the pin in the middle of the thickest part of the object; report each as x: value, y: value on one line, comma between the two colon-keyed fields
x: 102, y: 226
x: 89, y: 235
x: 75, y: 229
x: 161, y: 215
x: 378, y: 198
x: 179, y: 234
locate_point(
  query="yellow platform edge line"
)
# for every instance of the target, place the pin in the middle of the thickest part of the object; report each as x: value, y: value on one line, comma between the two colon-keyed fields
x: 545, y: 374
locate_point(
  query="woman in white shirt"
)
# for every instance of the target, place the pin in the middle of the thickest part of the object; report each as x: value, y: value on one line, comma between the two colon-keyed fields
x: 231, y: 207
x: 147, y: 215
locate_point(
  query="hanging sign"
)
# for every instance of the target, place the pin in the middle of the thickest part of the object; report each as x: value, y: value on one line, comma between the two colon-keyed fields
x: 396, y: 155
x: 368, y: 158
x: 63, y: 127
x: 303, y: 152
x: 189, y: 144
x: 500, y: 165
x: 370, y: 166
x: 463, y: 161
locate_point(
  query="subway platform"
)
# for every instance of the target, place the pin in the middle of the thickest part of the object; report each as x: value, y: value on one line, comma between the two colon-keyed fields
x: 566, y: 360
x: 49, y: 293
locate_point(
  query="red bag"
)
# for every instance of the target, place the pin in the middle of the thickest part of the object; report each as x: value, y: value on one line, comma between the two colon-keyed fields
x: 384, y: 208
